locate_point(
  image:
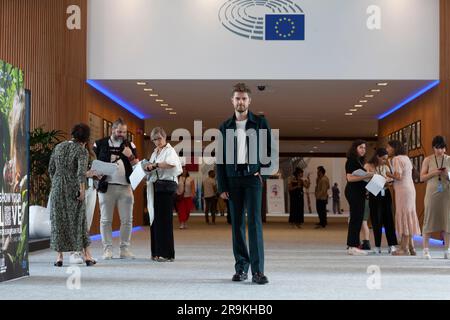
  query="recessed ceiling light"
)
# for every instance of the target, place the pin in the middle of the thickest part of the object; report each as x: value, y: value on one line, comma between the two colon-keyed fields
x: 153, y: 95
x: 159, y: 100
x: 314, y: 147
x: 369, y: 96
x: 358, y: 105
x: 164, y: 105
x: 375, y: 90
x: 353, y: 110
x: 311, y: 151
x: 348, y: 114
x: 141, y: 83
x: 148, y: 89
x: 172, y: 113
x: 362, y: 101
x: 169, y: 109
x: 322, y: 141
x: 376, y: 134
x: 382, y: 84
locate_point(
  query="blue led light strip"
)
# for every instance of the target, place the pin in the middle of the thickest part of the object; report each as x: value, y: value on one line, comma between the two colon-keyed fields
x: 117, y: 100
x: 409, y: 99
x: 115, y: 234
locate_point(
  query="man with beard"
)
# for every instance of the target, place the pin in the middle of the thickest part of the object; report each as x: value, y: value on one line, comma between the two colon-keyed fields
x: 239, y: 180
x: 116, y: 190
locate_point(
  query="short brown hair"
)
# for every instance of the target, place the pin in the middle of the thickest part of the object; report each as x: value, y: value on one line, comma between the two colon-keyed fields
x: 399, y: 148
x: 241, y: 87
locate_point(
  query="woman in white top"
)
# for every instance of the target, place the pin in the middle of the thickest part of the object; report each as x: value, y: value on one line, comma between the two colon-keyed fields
x: 185, y: 194
x: 163, y: 169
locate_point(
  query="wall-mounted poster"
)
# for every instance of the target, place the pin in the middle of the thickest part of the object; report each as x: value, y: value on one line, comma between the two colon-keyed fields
x: 107, y: 128
x: 275, y: 196
x: 130, y: 136
x: 421, y: 159
x: 400, y: 133
x: 419, y: 134
x: 14, y: 160
x: 96, y: 125
x: 413, y: 136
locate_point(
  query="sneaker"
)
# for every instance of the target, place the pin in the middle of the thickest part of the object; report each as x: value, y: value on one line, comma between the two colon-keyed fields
x: 353, y: 251
x: 377, y: 250
x: 75, y: 258
x: 447, y: 254
x: 107, y: 254
x: 125, y: 253
x: 426, y: 254
x: 392, y: 249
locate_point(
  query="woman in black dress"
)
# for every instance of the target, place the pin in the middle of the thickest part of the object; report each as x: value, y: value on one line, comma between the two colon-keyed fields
x: 296, y: 200
x: 355, y: 192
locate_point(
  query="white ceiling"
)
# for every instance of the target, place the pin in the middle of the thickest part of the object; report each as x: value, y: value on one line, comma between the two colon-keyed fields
x: 299, y: 108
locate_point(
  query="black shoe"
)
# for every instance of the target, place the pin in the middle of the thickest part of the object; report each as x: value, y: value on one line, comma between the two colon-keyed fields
x: 58, y: 264
x: 240, y: 276
x: 365, y: 245
x: 260, y: 278
x: 90, y: 263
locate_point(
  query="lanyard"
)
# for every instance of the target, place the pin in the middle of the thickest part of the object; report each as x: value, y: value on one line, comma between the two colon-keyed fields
x: 437, y: 165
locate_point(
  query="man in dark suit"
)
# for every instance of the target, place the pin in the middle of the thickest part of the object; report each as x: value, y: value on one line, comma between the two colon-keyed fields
x: 239, y: 179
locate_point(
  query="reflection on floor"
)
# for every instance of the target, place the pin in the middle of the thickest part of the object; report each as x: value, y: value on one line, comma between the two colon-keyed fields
x: 300, y: 263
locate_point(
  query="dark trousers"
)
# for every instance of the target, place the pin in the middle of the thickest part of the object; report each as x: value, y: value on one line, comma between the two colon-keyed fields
x: 210, y: 206
x: 228, y: 211
x: 321, y: 206
x: 161, y: 235
x: 381, y: 215
x: 246, y: 196
x: 357, y: 201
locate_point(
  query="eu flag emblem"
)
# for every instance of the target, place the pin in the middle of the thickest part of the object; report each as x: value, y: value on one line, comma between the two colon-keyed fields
x: 285, y: 27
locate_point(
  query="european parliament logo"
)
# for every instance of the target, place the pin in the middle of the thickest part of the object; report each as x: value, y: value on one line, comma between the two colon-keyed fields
x: 264, y: 19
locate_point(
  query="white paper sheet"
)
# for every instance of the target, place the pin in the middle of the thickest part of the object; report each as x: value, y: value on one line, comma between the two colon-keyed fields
x: 376, y: 184
x: 104, y: 168
x: 137, y: 175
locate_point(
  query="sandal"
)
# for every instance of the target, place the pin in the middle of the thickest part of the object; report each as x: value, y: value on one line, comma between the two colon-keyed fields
x: 401, y: 252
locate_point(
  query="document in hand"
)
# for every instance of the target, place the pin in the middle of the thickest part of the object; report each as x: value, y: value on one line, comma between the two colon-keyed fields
x: 137, y: 175
x: 360, y: 173
x: 104, y: 168
x: 376, y: 184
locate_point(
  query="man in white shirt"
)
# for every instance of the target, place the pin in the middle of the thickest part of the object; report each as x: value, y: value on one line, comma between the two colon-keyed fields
x: 240, y: 181
x: 116, y: 189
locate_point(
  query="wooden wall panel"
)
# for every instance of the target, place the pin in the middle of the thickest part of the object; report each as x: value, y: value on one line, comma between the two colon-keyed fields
x: 431, y: 108
x: 34, y: 37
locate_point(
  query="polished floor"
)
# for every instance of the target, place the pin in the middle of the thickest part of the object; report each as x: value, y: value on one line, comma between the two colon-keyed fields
x: 300, y: 263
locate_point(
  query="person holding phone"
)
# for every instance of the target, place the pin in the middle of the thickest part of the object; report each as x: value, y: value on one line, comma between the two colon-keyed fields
x: 435, y: 169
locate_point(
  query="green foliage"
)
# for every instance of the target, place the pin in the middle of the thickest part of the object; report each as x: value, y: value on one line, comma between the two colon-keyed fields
x: 41, y: 146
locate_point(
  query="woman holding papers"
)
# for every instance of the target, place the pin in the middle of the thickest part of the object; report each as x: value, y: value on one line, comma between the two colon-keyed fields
x: 163, y: 170
x: 435, y: 169
x: 381, y: 204
x: 355, y: 192
x: 406, y: 222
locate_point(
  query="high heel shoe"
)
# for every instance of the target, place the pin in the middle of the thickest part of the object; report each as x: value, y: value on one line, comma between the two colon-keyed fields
x: 412, y: 251
x: 90, y: 263
x: 58, y: 263
x: 401, y: 252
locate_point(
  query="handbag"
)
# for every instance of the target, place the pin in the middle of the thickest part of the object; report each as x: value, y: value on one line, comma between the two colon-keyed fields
x: 165, y: 186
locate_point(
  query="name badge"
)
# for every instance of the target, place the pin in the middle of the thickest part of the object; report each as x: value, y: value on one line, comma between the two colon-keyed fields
x: 383, y: 193
x: 440, y: 187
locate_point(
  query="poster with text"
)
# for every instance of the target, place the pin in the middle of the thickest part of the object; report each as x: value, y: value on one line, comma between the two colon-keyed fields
x: 275, y: 196
x: 14, y: 154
